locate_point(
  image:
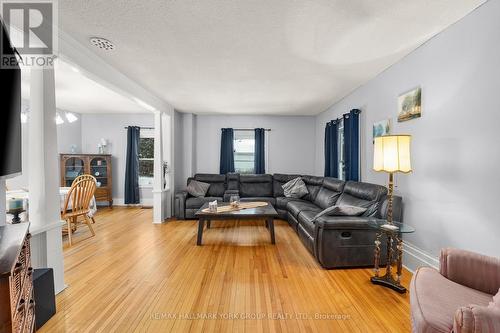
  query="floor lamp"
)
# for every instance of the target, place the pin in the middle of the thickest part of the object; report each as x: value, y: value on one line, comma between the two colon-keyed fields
x: 391, y: 154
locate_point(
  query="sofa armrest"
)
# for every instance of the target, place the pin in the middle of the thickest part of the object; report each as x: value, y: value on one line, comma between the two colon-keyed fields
x: 229, y: 193
x: 397, y: 208
x: 457, y: 265
x: 476, y: 319
x: 343, y: 222
x: 180, y: 204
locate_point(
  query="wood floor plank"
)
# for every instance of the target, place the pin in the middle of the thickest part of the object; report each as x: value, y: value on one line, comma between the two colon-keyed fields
x: 135, y: 276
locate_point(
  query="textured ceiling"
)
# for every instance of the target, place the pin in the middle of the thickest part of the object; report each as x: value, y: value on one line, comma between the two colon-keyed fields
x: 261, y: 56
x: 75, y: 92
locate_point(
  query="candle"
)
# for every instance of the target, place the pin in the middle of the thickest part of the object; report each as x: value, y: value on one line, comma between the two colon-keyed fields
x: 15, y: 204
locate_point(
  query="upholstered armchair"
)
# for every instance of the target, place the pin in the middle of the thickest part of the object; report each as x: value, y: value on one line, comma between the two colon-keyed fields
x: 457, y: 297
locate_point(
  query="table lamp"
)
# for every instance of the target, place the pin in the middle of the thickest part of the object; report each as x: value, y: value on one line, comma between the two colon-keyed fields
x: 391, y: 154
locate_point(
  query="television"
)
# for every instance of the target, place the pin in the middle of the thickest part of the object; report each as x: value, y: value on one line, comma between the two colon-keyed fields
x: 10, y: 109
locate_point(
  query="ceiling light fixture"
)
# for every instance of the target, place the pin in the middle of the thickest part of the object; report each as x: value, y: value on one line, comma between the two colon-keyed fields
x: 144, y: 104
x: 102, y: 43
x: 59, y: 119
x: 71, y: 117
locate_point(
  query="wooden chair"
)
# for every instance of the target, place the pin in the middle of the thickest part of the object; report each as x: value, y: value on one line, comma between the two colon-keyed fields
x: 79, y: 195
x: 81, y: 177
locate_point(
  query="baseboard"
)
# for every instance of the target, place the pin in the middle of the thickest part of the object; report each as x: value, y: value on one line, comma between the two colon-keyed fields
x: 121, y: 202
x: 415, y: 257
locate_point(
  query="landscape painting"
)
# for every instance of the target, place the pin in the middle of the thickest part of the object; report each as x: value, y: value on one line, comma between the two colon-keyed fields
x: 381, y: 128
x: 410, y: 105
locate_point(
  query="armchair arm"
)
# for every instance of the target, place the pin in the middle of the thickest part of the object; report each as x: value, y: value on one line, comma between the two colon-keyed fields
x: 476, y: 319
x: 457, y: 265
x: 229, y: 193
x: 180, y: 204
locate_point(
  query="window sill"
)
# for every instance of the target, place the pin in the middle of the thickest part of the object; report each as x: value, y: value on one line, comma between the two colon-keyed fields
x: 145, y: 186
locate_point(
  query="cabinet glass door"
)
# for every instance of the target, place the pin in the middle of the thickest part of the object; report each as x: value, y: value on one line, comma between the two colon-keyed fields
x: 73, y: 167
x: 99, y: 169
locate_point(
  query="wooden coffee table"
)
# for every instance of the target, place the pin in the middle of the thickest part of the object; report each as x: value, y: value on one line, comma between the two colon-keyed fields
x: 266, y: 213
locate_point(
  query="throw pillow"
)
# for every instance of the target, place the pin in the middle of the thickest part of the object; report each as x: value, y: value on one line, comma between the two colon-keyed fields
x: 197, y: 189
x: 295, y: 188
x: 496, y: 301
x: 343, y: 210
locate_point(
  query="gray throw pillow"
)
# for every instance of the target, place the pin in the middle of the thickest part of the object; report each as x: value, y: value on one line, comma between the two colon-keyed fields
x: 295, y: 188
x: 197, y: 189
x: 343, y: 210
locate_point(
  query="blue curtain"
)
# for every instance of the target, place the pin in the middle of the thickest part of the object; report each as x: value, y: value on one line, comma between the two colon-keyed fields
x: 227, y: 151
x: 351, y: 145
x: 132, y: 166
x: 331, y: 149
x: 260, y: 155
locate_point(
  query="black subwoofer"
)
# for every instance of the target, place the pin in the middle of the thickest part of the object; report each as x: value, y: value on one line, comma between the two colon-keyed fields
x: 45, y: 298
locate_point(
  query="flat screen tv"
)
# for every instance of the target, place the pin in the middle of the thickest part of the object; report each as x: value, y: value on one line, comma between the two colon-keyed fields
x: 10, y: 109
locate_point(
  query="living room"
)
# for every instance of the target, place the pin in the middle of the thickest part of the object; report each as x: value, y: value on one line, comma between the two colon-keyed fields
x: 298, y: 149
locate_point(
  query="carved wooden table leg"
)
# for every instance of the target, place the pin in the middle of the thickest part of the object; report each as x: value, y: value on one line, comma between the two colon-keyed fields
x: 389, y: 255
x: 400, y: 259
x: 376, y: 268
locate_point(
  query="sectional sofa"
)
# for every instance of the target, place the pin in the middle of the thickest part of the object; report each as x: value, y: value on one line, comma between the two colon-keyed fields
x: 335, y: 241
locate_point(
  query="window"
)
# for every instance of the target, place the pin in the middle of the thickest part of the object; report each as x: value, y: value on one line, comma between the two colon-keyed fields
x: 244, y: 151
x: 146, y: 158
x: 340, y: 150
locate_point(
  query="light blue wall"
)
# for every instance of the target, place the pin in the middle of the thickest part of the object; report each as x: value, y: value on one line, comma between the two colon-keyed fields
x: 452, y: 196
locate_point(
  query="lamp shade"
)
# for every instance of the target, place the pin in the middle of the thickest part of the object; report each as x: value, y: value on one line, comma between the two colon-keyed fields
x: 391, y: 153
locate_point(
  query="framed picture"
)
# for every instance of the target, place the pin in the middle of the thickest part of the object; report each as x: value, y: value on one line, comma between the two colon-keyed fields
x: 381, y: 128
x: 410, y: 105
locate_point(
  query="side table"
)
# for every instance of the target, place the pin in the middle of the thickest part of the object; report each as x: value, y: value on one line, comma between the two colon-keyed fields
x: 393, y: 235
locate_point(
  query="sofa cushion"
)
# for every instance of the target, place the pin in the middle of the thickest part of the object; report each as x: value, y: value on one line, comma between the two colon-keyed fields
x: 329, y: 192
x: 362, y: 195
x: 256, y: 186
x: 233, y: 181
x: 305, y: 219
x: 341, y: 211
x: 295, y: 207
x: 281, y: 202
x: 313, y: 184
x: 434, y: 300
x: 295, y: 188
x: 197, y: 189
x: 196, y: 203
x: 217, y: 183
x: 271, y: 200
x: 278, y: 180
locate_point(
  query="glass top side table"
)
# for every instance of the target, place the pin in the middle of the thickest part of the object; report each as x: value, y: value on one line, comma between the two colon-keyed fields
x: 393, y: 233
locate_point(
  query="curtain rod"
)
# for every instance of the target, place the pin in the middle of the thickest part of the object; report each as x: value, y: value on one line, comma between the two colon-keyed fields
x: 151, y: 128
x: 249, y: 129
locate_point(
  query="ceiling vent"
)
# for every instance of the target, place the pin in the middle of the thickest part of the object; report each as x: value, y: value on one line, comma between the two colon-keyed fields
x: 102, y: 43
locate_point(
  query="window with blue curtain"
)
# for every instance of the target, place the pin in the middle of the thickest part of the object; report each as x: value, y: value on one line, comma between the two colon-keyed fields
x: 260, y: 155
x: 342, y: 147
x: 331, y: 149
x: 226, y: 151
x: 351, y: 145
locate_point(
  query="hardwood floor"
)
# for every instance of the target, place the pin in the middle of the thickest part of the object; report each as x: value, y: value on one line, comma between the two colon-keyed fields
x: 134, y: 276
